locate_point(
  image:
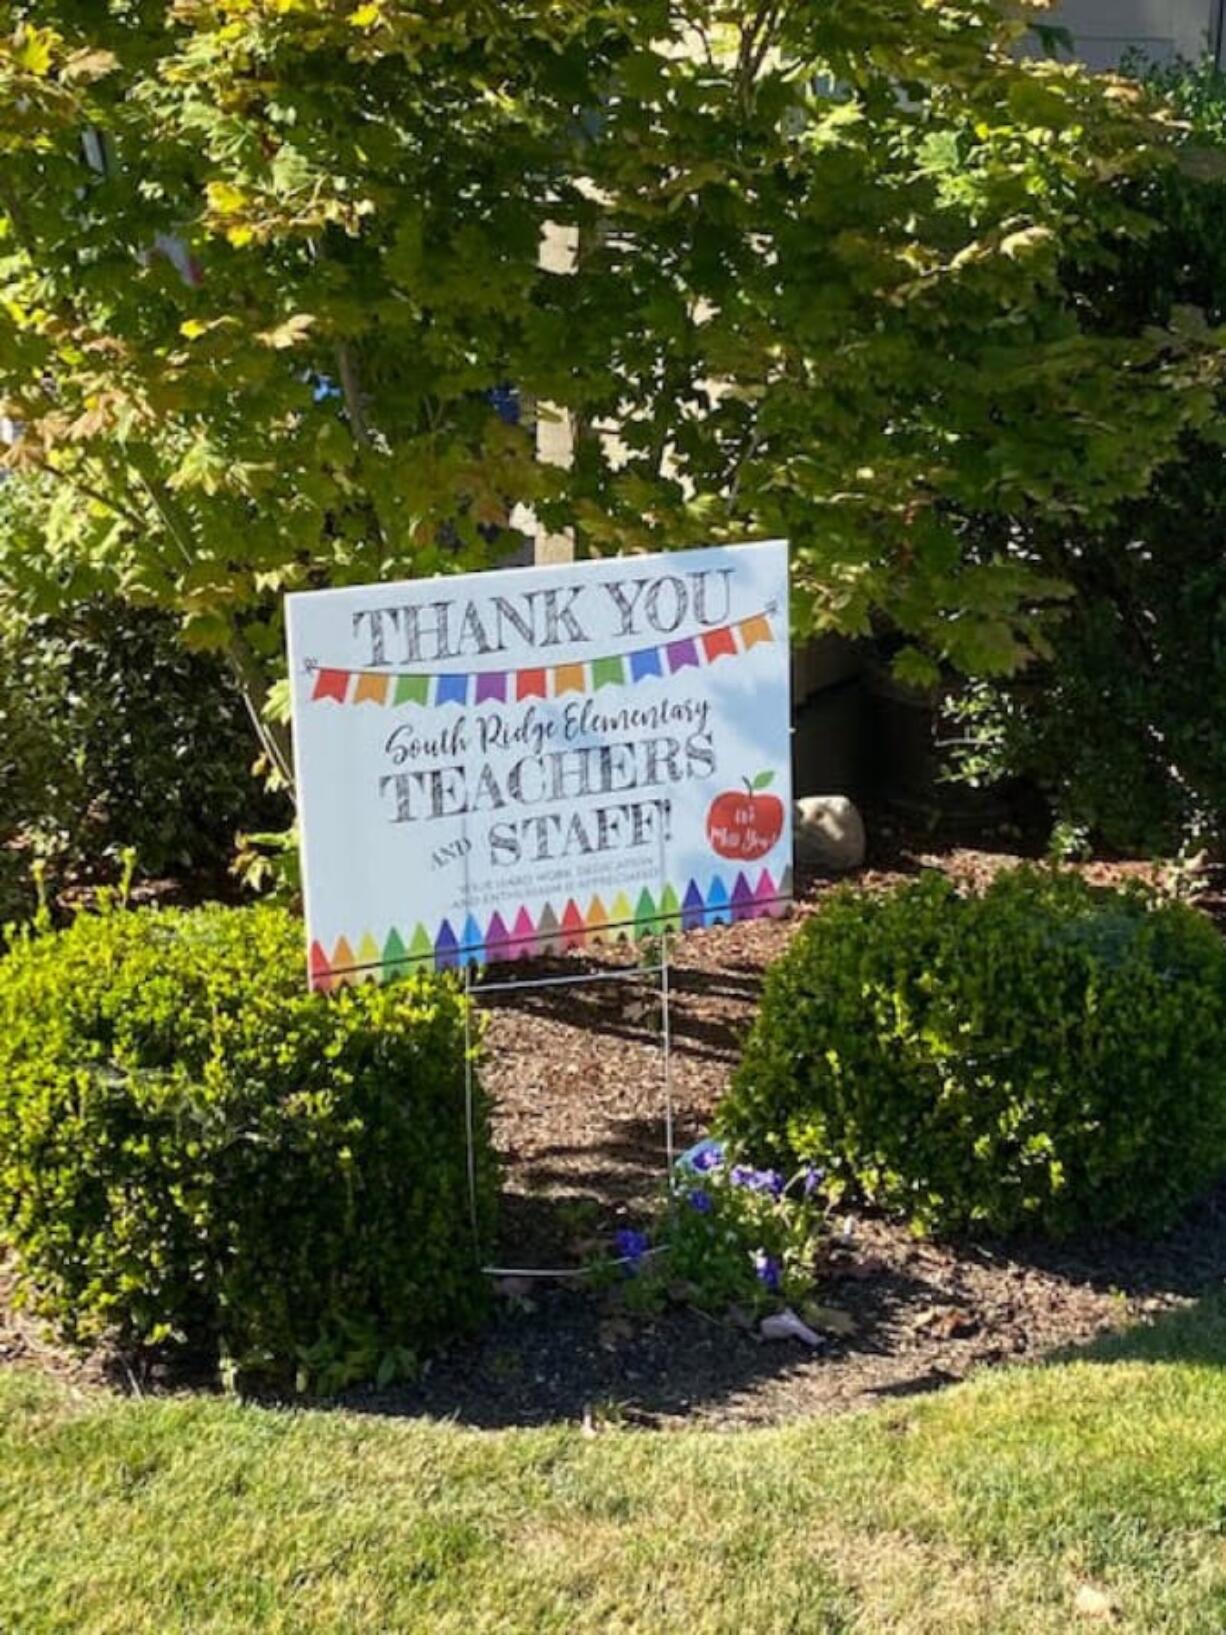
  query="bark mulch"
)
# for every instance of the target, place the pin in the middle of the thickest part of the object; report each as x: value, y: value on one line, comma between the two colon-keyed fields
x: 577, y: 1083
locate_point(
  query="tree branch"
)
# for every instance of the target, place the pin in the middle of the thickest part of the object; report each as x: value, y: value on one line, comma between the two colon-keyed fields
x: 347, y: 368
x: 351, y: 389
x: 92, y: 493
x: 755, y: 43
x: 274, y: 740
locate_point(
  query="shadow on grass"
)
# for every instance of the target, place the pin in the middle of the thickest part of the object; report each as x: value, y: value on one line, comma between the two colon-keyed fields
x: 1194, y: 1334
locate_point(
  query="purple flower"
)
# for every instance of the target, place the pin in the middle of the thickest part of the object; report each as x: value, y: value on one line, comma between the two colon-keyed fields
x: 757, y: 1180
x: 813, y: 1179
x: 630, y: 1245
x: 708, y: 1158
x: 767, y: 1269
x: 701, y: 1201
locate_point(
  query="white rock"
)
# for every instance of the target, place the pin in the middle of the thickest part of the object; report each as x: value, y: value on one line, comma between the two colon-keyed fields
x: 829, y: 833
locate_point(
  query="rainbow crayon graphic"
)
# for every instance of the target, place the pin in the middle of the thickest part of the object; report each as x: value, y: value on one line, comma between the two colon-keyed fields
x: 548, y: 939
x: 362, y: 959
x: 742, y: 899
x: 670, y: 910
x: 574, y: 930
x: 343, y: 962
x: 523, y: 936
x: 717, y: 911
x: 693, y: 909
x: 472, y: 943
x: 445, y: 948
x: 321, y: 971
x: 497, y: 938
x: 646, y: 923
x: 621, y: 918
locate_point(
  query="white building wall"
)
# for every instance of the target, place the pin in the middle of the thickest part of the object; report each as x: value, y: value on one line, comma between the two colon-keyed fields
x: 1106, y: 30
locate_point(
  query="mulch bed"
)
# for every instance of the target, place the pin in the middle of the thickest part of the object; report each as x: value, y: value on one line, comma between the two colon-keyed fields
x: 576, y: 1077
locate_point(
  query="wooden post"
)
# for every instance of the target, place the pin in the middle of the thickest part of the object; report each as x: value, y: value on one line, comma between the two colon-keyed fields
x: 555, y: 432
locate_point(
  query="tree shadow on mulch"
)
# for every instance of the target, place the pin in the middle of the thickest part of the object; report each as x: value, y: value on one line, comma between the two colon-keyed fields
x: 559, y: 1351
x: 633, y: 1012
x: 909, y: 1317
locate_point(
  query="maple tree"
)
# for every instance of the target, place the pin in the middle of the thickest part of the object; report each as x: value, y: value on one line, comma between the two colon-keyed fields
x: 270, y: 287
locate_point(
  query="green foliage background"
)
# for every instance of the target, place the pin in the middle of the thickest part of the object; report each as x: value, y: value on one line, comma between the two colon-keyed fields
x: 1121, y: 726
x: 112, y: 735
x: 263, y: 263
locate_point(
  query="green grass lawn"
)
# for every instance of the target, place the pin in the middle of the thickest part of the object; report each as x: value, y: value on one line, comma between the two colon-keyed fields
x: 988, y: 1508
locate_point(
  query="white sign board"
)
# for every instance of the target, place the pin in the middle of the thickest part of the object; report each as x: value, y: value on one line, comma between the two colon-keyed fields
x: 502, y: 764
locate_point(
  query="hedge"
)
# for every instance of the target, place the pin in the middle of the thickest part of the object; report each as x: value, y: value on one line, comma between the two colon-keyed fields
x: 197, y: 1153
x: 1045, y: 1055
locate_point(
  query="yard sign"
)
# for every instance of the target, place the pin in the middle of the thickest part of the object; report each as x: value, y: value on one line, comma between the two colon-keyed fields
x: 501, y: 764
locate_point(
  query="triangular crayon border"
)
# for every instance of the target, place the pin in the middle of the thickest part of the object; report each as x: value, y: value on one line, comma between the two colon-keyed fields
x: 574, y: 926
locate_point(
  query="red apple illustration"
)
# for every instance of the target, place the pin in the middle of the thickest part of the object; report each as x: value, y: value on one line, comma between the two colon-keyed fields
x: 745, y: 824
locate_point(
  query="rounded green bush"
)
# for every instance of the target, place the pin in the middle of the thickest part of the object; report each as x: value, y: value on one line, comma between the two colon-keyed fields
x: 195, y: 1150
x: 1045, y: 1055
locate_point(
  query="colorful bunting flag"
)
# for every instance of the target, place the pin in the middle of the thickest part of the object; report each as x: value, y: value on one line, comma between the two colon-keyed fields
x: 646, y: 662
x: 331, y: 684
x: 411, y: 690
x: 492, y: 684
x: 609, y: 672
x: 754, y: 630
x: 371, y: 687
x: 715, y: 643
x: 499, y: 686
x: 452, y: 689
x: 682, y: 655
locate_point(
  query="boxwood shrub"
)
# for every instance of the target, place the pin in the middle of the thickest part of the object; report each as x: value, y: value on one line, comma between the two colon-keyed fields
x: 197, y: 1152
x: 1042, y: 1055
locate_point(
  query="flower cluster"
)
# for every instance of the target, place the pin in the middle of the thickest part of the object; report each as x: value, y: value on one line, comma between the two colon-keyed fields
x: 729, y: 1234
